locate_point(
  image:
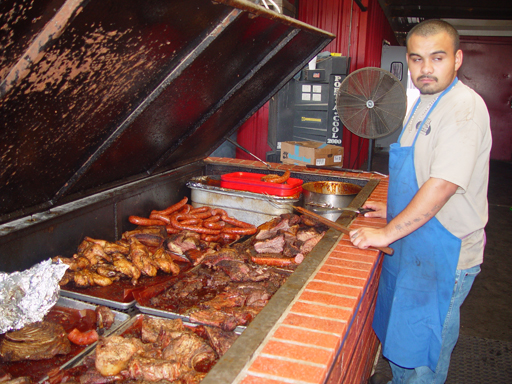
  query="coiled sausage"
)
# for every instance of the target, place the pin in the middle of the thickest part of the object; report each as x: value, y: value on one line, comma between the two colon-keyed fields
x: 175, y: 222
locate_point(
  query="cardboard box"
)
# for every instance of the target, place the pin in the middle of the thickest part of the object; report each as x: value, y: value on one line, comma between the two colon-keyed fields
x: 311, y: 152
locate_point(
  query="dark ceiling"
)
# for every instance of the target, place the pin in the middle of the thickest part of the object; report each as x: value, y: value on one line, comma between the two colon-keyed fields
x: 482, y: 17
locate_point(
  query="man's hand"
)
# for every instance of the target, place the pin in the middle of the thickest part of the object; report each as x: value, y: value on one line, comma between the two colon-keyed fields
x: 367, y: 237
x: 430, y: 198
x: 379, y: 209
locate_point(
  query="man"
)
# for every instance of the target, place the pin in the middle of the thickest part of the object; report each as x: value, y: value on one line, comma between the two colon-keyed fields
x: 436, y: 212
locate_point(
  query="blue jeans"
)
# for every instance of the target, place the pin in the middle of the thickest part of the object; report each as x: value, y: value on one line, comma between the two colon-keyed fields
x: 424, y: 375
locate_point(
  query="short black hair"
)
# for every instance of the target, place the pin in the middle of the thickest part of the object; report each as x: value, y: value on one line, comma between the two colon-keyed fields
x: 433, y: 27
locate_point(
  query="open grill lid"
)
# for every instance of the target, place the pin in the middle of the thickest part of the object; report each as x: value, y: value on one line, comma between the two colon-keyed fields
x: 95, y: 93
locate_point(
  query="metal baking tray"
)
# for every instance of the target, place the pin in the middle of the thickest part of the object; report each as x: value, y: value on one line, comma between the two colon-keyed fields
x: 253, y: 208
x: 119, y: 320
x: 126, y: 327
x: 96, y: 300
x: 38, y: 370
x: 172, y: 315
x: 114, y: 295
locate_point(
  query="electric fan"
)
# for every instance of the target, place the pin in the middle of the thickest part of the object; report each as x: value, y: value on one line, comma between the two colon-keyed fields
x: 371, y: 103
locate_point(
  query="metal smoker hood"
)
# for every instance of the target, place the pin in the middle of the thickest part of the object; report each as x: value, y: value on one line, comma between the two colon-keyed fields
x: 97, y: 93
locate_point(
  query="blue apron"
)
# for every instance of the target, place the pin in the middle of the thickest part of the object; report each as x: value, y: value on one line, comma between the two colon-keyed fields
x: 417, y: 282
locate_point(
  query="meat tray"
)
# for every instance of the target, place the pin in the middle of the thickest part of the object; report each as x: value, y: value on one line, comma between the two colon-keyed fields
x: 118, y: 295
x: 251, y: 182
x: 130, y: 328
x: 97, y: 300
x: 38, y: 369
x: 172, y: 315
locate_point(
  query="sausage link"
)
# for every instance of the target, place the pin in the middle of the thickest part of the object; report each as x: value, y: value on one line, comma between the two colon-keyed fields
x: 211, y: 238
x: 269, y: 177
x: 218, y: 211
x: 186, y: 209
x: 194, y: 211
x: 212, y: 219
x: 273, y: 261
x: 174, y: 207
x: 214, y: 225
x: 239, y: 231
x: 236, y: 223
x: 137, y: 220
x: 229, y: 237
x: 201, y: 215
x: 159, y: 216
x: 280, y: 180
x: 171, y: 230
x: 192, y: 222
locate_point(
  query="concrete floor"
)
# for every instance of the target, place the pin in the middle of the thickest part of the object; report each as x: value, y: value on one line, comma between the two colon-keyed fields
x: 486, y: 315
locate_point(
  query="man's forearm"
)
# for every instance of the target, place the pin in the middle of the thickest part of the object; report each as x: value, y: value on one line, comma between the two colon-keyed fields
x: 430, y: 198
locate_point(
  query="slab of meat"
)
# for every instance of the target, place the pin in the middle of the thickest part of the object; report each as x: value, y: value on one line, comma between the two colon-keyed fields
x: 273, y: 245
x: 304, y: 234
x: 240, y: 271
x: 154, y: 328
x: 38, y: 341
x: 225, y: 320
x: 113, y: 354
x: 220, y: 340
x: 223, y: 254
x: 190, y: 350
x: 310, y: 243
x: 224, y: 300
x: 264, y: 234
x: 142, y: 368
x: 149, y: 236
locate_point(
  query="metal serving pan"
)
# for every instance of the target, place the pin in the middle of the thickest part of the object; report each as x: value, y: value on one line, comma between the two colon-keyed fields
x: 172, y: 315
x: 96, y: 300
x: 251, y: 207
x: 38, y: 369
x: 126, y: 327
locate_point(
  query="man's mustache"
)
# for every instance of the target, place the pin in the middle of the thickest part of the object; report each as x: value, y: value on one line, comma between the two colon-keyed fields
x: 426, y: 77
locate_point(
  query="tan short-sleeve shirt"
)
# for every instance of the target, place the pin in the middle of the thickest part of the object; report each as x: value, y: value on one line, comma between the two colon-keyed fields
x: 454, y: 145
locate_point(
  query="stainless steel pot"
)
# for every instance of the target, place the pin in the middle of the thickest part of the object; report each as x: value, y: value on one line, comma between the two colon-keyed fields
x: 326, y: 197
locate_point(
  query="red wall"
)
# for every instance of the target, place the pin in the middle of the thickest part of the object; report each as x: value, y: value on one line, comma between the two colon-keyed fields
x: 487, y: 68
x: 358, y: 35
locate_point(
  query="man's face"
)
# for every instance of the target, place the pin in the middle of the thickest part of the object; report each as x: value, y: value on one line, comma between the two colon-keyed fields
x: 432, y: 62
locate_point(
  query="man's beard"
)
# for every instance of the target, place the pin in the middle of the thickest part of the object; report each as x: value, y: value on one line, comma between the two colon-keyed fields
x: 426, y: 90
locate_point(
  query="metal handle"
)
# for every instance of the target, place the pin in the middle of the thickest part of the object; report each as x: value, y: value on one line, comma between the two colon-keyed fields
x: 247, y: 151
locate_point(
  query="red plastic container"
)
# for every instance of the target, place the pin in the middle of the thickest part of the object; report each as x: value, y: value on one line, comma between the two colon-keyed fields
x: 251, y: 182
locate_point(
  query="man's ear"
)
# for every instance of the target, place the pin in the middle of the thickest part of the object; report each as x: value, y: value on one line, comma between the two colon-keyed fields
x: 458, y: 59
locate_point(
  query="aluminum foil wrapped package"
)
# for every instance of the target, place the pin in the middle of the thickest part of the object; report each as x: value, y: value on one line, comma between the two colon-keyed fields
x: 27, y: 296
